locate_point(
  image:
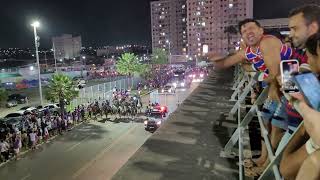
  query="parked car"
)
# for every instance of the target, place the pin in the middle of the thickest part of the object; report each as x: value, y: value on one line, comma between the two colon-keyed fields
x: 21, y: 99
x: 52, y: 108
x: 14, y: 122
x: 11, y: 103
x: 14, y: 114
x: 29, y: 109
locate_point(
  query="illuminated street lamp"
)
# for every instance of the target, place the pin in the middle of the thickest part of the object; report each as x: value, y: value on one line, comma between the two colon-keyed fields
x: 35, y: 25
x: 83, y: 63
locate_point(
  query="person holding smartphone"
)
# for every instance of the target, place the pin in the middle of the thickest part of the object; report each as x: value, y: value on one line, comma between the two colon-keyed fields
x: 304, y: 22
x: 308, y: 106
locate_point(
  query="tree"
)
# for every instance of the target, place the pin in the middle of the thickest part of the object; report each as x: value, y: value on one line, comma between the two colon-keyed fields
x: 159, y: 56
x: 63, y: 89
x: 128, y: 64
x: 230, y: 30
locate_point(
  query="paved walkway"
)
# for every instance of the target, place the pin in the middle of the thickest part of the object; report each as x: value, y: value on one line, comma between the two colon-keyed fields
x: 186, y: 146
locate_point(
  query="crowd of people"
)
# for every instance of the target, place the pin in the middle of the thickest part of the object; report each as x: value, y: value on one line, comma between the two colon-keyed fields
x: 283, y: 111
x: 36, y: 127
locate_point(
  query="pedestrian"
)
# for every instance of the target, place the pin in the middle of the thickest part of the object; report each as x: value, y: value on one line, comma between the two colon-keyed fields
x: 4, y: 149
x: 17, y: 146
x: 33, y: 140
x: 46, y: 134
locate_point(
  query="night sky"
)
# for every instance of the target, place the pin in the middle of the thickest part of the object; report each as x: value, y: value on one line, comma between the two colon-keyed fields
x: 99, y: 22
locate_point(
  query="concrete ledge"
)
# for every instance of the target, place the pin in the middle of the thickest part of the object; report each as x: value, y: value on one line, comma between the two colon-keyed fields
x: 188, y: 145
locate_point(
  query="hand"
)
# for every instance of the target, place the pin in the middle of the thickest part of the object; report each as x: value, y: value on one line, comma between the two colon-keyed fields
x: 311, y: 121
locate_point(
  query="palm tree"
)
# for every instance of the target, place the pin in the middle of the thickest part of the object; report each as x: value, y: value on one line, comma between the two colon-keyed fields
x: 128, y: 64
x: 62, y: 89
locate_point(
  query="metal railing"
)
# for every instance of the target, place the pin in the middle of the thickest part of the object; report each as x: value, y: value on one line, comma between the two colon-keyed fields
x: 103, y: 91
x: 241, y: 93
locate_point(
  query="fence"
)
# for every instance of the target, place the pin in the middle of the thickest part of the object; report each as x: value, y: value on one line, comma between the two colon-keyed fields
x: 243, y: 83
x: 104, y: 91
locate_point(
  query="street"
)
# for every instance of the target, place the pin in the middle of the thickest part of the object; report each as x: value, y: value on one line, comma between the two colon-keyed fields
x: 90, y: 151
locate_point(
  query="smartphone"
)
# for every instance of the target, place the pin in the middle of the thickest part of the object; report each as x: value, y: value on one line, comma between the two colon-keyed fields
x: 288, y: 68
x: 309, y: 86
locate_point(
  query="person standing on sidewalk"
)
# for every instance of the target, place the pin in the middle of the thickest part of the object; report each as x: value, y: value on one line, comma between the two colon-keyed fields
x: 4, y: 149
x: 17, y: 145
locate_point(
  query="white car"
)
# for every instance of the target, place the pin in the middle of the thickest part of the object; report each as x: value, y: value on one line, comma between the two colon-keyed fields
x: 28, y: 109
x: 11, y: 103
x: 168, y: 89
x: 51, y: 107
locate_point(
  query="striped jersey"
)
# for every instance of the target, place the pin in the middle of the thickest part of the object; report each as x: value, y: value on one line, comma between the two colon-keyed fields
x: 257, y: 61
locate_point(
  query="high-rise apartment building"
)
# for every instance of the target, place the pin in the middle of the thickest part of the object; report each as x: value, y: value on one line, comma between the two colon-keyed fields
x: 185, y: 26
x: 169, y: 26
x: 214, y: 23
x: 66, y: 46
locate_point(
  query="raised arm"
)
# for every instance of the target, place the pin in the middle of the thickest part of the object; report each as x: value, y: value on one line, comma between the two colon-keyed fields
x: 271, y: 49
x: 226, y: 62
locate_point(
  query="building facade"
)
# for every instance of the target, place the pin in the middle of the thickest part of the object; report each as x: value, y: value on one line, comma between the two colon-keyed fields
x: 183, y: 27
x: 214, y: 23
x: 169, y: 26
x: 66, y: 46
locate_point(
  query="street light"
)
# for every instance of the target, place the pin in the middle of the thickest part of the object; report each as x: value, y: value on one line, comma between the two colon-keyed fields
x: 83, y: 60
x: 35, y: 25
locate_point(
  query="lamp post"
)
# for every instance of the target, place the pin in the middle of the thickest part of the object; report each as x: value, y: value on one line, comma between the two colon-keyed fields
x: 36, y: 43
x: 83, y: 63
x: 55, y: 57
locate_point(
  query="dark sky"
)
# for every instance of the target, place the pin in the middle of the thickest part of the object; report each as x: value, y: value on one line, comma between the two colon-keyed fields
x: 99, y: 22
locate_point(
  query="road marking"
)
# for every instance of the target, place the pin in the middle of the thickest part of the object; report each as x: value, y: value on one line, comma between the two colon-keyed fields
x: 74, y: 146
x: 108, y: 147
x: 26, y: 177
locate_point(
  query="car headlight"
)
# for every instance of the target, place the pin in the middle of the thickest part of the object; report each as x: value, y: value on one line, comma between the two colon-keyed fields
x: 201, y: 75
x: 145, y: 122
x: 175, y: 84
x: 182, y: 84
x: 169, y: 90
x: 194, y: 75
x: 162, y: 90
x: 159, y: 122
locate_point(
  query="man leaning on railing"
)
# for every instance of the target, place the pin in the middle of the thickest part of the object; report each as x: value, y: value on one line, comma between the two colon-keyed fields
x: 264, y: 53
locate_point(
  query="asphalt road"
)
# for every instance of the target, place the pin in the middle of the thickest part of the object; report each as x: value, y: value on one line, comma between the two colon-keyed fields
x: 90, y: 151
